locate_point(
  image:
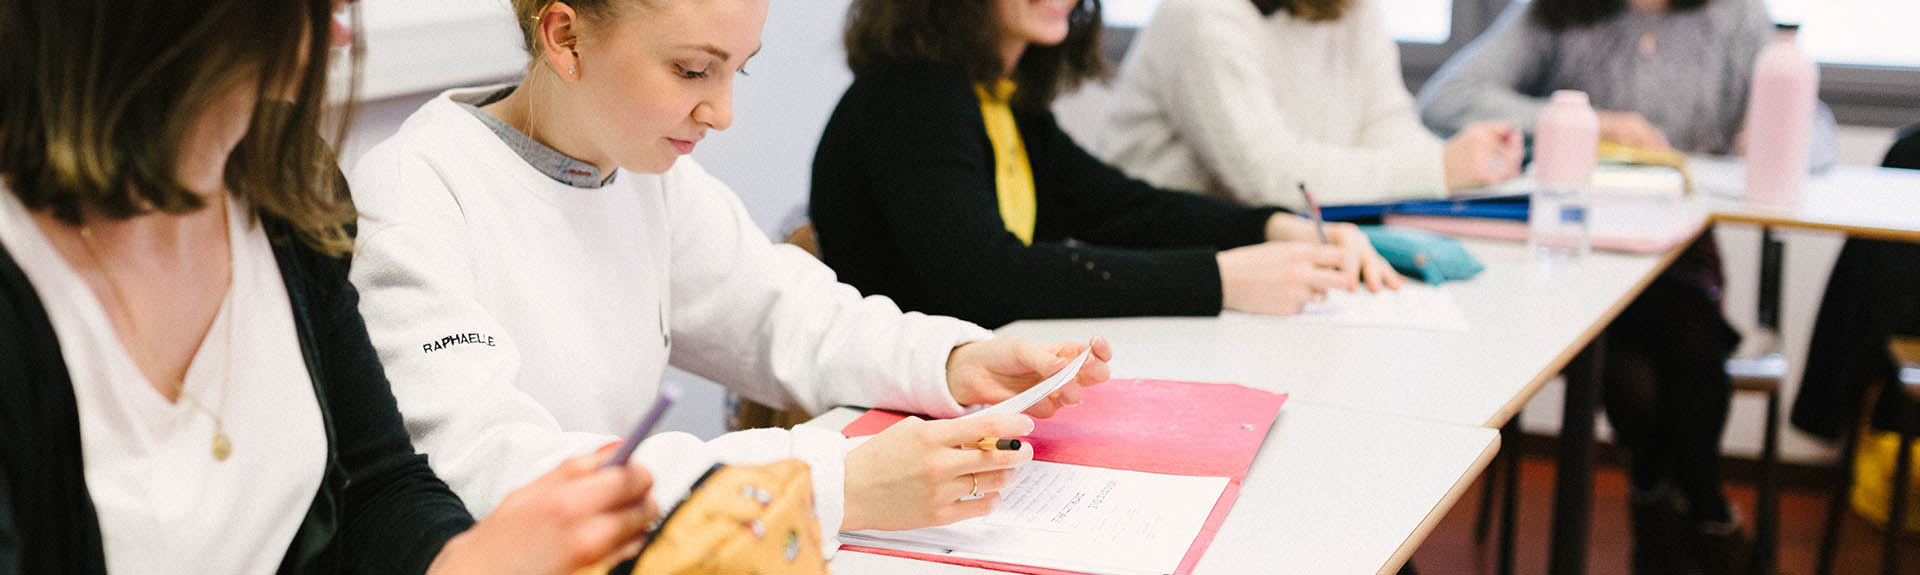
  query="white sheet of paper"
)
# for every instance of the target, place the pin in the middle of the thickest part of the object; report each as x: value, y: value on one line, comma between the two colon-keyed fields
x: 1033, y: 395
x: 1414, y: 306
x: 1077, y: 518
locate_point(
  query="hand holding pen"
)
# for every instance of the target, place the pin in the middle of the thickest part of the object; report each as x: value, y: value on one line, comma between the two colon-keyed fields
x: 587, y: 513
x: 1361, y: 261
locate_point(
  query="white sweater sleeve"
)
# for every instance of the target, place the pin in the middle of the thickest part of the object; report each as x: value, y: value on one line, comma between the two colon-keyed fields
x: 1219, y: 97
x: 481, y: 434
x: 773, y: 323
x: 1485, y: 80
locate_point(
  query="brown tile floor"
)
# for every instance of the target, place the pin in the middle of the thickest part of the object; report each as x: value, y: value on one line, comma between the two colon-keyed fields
x: 1451, y: 548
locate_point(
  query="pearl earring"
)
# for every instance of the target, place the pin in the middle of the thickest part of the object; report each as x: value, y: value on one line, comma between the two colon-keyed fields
x: 572, y: 71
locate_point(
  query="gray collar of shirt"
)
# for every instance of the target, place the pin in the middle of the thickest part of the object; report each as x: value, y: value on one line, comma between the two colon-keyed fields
x: 561, y: 167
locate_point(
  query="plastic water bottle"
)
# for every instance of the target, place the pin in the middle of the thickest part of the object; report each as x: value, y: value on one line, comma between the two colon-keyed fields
x: 1565, y: 142
x: 1779, y: 119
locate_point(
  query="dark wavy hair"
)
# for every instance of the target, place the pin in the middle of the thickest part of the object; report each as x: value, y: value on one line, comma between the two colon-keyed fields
x: 96, y: 97
x: 963, y: 34
x: 1560, y: 15
x: 1312, y: 10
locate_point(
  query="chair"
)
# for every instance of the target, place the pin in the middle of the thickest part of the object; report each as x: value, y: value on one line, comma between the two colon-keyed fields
x: 1764, y: 376
x: 1905, y: 392
x: 1901, y: 386
x: 745, y: 413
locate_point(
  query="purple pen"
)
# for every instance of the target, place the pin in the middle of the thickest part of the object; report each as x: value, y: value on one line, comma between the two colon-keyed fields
x: 1313, y: 210
x: 620, y: 456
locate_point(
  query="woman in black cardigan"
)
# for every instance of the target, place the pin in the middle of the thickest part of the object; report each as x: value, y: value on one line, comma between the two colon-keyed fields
x: 127, y: 128
x: 911, y: 200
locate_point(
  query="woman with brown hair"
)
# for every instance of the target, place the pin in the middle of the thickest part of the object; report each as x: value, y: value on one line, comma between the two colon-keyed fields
x: 944, y: 183
x: 185, y: 385
x: 1248, y: 99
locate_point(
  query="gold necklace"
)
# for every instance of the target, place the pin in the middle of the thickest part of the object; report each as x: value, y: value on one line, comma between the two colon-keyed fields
x: 222, y: 446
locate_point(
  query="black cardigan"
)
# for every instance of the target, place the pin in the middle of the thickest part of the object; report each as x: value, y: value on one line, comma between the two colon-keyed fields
x: 904, y: 205
x: 379, y: 509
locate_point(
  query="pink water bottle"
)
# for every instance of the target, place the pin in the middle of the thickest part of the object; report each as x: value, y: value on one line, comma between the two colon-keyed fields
x: 1779, y: 117
x: 1565, y: 139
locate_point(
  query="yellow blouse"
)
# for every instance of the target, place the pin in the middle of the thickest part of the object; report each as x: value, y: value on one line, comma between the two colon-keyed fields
x: 1013, y: 176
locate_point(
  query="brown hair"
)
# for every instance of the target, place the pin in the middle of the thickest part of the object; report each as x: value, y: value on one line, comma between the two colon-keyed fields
x: 1558, y: 15
x: 963, y: 34
x: 96, y: 97
x: 1310, y: 10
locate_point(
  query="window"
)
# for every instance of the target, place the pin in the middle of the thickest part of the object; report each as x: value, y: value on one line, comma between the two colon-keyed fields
x: 1855, y: 32
x: 1413, y: 21
x: 1869, y: 62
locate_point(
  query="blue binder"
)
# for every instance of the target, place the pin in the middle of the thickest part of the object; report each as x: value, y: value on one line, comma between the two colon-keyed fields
x: 1504, y: 207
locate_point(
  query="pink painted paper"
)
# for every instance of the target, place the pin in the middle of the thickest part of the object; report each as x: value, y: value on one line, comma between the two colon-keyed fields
x: 1156, y: 426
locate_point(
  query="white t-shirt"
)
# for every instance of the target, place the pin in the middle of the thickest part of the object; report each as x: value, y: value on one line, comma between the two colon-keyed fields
x: 1216, y: 97
x: 523, y: 320
x: 164, y: 504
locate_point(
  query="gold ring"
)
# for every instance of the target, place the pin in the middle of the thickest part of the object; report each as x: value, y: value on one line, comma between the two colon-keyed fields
x: 976, y: 484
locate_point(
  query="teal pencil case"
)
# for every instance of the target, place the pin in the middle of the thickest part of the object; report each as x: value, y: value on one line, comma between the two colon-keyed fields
x: 1423, y: 255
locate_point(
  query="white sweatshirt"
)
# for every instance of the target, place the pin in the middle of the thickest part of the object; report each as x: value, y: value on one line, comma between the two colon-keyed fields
x: 1216, y: 97
x: 522, y: 320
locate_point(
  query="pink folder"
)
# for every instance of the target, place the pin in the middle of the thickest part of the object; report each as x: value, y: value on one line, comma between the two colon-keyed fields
x: 1644, y: 241
x: 1170, y: 427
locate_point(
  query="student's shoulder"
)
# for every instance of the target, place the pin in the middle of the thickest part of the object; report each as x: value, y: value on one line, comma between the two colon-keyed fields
x: 1180, y: 29
x: 1198, y: 13
x: 423, y: 136
x: 1735, y: 9
x: 918, y: 84
x: 407, y: 172
x: 1738, y: 17
x: 441, y: 135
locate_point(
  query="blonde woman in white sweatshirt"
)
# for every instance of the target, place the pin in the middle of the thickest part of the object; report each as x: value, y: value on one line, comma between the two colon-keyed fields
x: 1250, y: 98
x: 531, y: 258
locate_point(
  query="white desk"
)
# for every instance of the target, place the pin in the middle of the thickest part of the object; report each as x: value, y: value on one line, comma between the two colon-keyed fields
x: 1529, y: 323
x: 1528, y: 320
x: 1332, y: 491
x: 1860, y: 201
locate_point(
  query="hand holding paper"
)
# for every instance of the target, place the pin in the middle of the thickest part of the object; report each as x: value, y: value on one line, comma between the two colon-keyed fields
x: 995, y: 370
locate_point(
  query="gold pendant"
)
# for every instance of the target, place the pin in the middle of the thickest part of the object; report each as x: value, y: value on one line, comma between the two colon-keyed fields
x: 221, y: 446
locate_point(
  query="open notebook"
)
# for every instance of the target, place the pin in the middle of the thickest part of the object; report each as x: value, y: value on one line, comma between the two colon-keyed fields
x: 1136, y: 479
